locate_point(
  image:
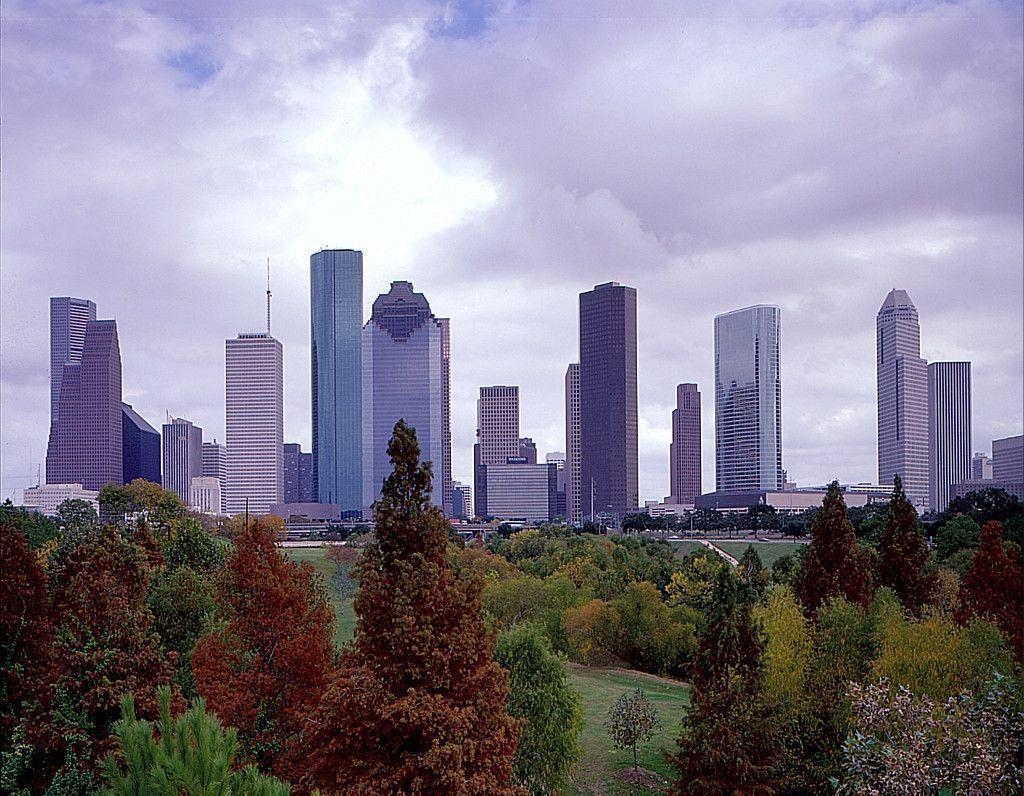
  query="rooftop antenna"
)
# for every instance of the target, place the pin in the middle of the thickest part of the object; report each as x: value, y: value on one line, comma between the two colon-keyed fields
x: 268, y: 296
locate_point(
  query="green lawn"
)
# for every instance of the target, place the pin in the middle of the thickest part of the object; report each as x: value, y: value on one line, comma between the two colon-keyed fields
x: 683, y: 549
x: 601, y: 761
x: 770, y: 552
x: 344, y: 617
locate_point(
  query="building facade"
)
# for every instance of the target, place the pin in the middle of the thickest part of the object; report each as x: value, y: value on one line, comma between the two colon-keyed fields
x: 557, y: 458
x: 254, y: 401
x: 404, y: 372
x: 85, y: 444
x: 497, y: 433
x: 204, y: 494
x: 748, y: 400
x: 299, y: 486
x: 140, y: 447
x: 609, y: 467
x: 949, y: 429
x: 573, y: 509
x: 215, y: 465
x: 902, y: 380
x: 1008, y: 459
x: 462, y: 500
x: 182, y: 456
x: 46, y: 498
x: 684, y: 450
x: 68, y: 317
x: 336, y: 321
x: 522, y: 492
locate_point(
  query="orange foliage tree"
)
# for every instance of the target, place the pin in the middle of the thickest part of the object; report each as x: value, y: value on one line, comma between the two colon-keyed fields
x: 267, y: 666
x: 993, y: 588
x: 418, y: 704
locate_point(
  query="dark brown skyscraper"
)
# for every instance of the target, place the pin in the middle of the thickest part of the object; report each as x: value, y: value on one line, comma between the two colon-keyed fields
x: 85, y: 437
x: 608, y: 404
x: 684, y: 452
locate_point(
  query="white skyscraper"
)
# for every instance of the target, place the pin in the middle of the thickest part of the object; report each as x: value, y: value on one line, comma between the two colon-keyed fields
x: 254, y: 398
x: 573, y: 508
x: 902, y: 398
x: 949, y: 429
x: 748, y: 400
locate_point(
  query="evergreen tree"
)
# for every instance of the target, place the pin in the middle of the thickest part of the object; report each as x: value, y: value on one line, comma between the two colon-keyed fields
x: 833, y: 565
x: 903, y: 553
x: 994, y: 588
x: 729, y: 738
x: 540, y: 694
x: 266, y: 668
x: 417, y: 704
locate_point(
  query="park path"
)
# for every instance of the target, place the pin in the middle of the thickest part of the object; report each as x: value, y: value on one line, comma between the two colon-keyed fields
x: 720, y: 552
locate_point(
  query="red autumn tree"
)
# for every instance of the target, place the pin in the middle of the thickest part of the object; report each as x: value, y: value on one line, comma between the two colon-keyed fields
x: 993, y: 588
x: 418, y: 704
x: 26, y: 635
x: 903, y: 553
x: 105, y: 648
x: 267, y: 666
x: 833, y: 564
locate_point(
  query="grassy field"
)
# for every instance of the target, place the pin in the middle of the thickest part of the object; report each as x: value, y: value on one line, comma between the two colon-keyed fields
x: 769, y: 551
x: 683, y: 549
x: 598, y: 769
x: 344, y: 618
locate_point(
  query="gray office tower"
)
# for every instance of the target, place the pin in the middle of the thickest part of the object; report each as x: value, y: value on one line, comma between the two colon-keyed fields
x: 902, y: 398
x: 85, y: 445
x: 68, y: 317
x: 215, y: 465
x: 684, y: 451
x: 949, y: 429
x: 183, y: 456
x: 404, y: 373
x: 336, y: 322
x: 609, y: 481
x: 140, y: 447
x: 748, y: 400
x: 573, y: 510
x: 298, y: 475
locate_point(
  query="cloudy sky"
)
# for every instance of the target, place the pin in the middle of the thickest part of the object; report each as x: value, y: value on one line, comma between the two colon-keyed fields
x: 506, y: 156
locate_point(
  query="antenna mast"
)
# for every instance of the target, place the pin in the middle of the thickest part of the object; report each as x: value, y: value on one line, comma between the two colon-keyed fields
x: 268, y: 295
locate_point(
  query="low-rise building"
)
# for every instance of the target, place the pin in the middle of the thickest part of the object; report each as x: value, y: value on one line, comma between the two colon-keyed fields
x: 45, y: 498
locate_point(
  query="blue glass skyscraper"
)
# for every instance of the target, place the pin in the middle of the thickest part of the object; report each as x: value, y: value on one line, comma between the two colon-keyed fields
x: 336, y: 314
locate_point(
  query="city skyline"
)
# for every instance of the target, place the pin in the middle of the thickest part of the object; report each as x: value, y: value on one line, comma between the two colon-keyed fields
x: 770, y: 202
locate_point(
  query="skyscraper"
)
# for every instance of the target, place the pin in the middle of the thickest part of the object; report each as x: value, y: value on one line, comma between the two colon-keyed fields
x: 748, y: 400
x: 215, y: 465
x: 298, y: 475
x: 902, y: 397
x: 140, y: 447
x: 528, y: 450
x: 182, y: 456
x: 254, y: 399
x: 1008, y: 459
x: 68, y: 317
x: 446, y: 414
x: 497, y: 434
x: 609, y: 471
x: 684, y: 451
x: 573, y: 510
x: 949, y: 429
x: 404, y: 373
x: 336, y: 315
x: 85, y: 445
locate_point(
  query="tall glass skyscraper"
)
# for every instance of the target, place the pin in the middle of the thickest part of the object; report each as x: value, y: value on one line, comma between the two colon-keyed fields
x: 182, y: 456
x: 902, y: 397
x: 68, y: 317
x: 748, y: 400
x: 85, y: 445
x: 140, y: 447
x: 404, y: 377
x: 573, y: 511
x: 609, y: 462
x: 336, y: 315
x: 949, y: 429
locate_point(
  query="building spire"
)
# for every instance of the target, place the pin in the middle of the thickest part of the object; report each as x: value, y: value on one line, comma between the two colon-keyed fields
x: 268, y: 295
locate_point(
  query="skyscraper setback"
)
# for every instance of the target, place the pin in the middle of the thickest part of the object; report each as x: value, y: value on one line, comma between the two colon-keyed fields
x: 85, y: 445
x: 336, y: 315
x: 68, y: 318
x: 748, y: 400
x: 902, y: 379
x: 254, y: 401
x: 609, y: 471
x: 949, y: 429
x: 405, y: 367
x: 684, y: 451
